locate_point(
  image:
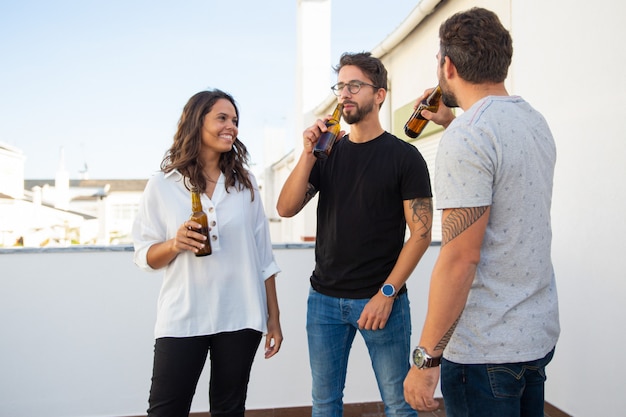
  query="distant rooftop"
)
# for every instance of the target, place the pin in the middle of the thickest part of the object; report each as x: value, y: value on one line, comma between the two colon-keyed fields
x: 11, y: 148
x: 116, y: 185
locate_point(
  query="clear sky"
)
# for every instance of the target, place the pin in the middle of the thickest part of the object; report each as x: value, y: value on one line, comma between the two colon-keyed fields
x: 107, y: 80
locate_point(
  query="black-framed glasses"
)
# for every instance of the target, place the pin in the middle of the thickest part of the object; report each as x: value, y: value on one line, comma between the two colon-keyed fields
x: 353, y: 87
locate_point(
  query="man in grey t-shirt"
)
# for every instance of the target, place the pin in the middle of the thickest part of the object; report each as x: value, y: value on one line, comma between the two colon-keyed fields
x: 492, y: 319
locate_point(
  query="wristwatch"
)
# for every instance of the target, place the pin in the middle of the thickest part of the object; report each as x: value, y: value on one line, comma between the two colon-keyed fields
x: 388, y: 290
x: 422, y: 360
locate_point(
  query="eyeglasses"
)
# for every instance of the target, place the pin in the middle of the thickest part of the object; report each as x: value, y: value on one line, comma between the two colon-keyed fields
x: 353, y: 87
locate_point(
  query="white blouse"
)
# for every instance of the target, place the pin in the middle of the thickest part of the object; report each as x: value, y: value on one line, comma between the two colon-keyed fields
x: 224, y: 291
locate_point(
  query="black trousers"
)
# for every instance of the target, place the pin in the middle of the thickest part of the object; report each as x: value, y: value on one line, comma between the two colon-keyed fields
x: 178, y: 363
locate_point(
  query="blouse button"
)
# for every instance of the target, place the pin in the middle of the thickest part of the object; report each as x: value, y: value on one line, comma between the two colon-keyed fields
x: 213, y: 223
x: 211, y: 209
x: 214, y: 237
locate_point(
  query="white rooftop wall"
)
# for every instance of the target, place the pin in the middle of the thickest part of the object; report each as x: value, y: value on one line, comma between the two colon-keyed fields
x: 78, y: 336
x: 564, y: 53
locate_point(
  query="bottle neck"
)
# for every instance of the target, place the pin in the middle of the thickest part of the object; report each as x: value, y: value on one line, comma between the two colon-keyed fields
x: 196, y: 203
x: 336, y: 116
x: 434, y: 96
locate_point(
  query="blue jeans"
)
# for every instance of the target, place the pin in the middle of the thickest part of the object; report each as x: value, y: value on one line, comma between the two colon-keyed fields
x: 494, y: 390
x: 331, y: 327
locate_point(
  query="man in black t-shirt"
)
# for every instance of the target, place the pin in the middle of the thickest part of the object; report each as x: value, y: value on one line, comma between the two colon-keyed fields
x: 371, y: 186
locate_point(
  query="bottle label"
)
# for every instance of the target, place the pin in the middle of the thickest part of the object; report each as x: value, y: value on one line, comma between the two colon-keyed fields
x: 324, y: 144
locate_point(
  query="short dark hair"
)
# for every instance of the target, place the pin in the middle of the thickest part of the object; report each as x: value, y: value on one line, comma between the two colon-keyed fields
x: 371, y: 66
x: 477, y: 44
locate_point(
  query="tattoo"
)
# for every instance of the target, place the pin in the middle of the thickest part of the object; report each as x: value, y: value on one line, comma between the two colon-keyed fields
x: 422, y: 215
x: 446, y: 337
x: 310, y: 193
x: 459, y: 220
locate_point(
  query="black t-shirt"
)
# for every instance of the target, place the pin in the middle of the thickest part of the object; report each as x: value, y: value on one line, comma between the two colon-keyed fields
x: 360, y: 213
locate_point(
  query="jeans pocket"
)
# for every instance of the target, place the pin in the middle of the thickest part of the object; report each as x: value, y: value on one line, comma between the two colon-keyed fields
x: 506, y: 380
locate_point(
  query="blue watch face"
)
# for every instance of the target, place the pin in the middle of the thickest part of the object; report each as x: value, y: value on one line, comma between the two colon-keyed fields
x: 388, y: 290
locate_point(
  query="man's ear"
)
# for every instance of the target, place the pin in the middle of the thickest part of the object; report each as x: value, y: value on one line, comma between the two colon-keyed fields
x: 381, y: 94
x: 448, y: 68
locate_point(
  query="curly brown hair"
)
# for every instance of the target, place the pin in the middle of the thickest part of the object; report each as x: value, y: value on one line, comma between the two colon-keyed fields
x: 184, y: 153
x: 477, y: 44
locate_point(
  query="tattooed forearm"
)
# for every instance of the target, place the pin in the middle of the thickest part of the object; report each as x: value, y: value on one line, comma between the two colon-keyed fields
x: 458, y: 221
x: 446, y: 337
x: 422, y: 215
x: 310, y: 193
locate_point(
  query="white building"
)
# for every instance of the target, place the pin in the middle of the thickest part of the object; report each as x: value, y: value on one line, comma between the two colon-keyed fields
x: 563, y: 53
x: 60, y: 211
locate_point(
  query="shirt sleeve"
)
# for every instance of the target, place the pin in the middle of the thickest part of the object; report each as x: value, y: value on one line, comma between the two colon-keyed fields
x: 262, y: 236
x: 415, y: 180
x: 465, y: 168
x: 148, y: 227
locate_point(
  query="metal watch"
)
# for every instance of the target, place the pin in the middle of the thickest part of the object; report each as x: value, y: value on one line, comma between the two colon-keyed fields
x: 422, y: 360
x: 388, y: 290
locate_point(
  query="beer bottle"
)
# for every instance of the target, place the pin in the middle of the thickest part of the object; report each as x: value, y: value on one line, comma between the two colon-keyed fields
x: 325, y: 143
x: 416, y: 123
x: 199, y: 216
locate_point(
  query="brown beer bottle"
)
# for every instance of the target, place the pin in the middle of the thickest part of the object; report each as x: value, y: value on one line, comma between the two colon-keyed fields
x: 325, y: 143
x: 199, y: 216
x: 416, y: 123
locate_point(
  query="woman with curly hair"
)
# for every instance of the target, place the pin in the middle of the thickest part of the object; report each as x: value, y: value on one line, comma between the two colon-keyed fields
x: 222, y: 303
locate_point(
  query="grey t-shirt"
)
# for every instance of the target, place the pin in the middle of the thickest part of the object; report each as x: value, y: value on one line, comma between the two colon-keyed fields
x: 501, y: 153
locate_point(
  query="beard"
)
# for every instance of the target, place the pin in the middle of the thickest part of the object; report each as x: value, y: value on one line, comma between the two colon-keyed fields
x: 359, y: 113
x: 449, y: 99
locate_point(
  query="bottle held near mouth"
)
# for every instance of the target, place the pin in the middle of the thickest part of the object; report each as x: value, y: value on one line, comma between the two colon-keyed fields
x: 326, y: 141
x: 416, y: 123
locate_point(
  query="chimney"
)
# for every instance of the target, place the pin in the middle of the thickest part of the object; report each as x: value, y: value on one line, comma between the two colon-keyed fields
x: 62, y: 185
x: 313, y: 69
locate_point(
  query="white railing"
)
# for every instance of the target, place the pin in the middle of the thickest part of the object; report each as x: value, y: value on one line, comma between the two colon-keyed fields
x: 77, y: 335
